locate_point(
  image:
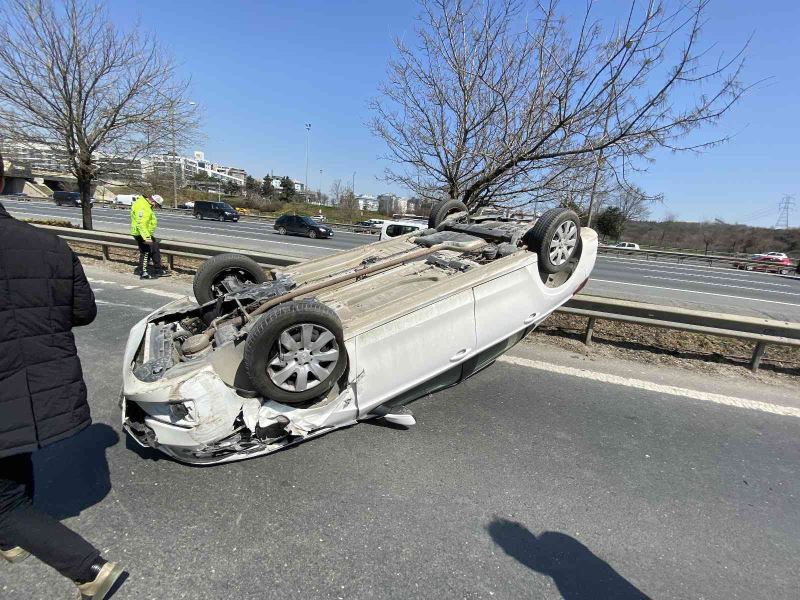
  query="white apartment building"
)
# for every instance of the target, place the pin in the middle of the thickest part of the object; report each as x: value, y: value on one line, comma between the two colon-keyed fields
x: 187, y: 167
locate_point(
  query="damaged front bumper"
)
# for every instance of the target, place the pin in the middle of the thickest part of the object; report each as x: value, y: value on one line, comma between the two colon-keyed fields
x: 191, y: 414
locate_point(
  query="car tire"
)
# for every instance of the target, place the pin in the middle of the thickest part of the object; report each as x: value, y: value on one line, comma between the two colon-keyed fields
x: 555, y: 238
x: 281, y: 230
x: 443, y: 209
x: 312, y: 234
x: 276, y: 369
x: 784, y: 271
x: 196, y: 216
x: 748, y: 267
x: 225, y: 273
x: 220, y: 218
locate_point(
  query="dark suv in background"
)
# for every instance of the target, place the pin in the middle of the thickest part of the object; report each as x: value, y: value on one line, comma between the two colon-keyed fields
x: 302, y: 225
x: 219, y: 211
x: 67, y: 198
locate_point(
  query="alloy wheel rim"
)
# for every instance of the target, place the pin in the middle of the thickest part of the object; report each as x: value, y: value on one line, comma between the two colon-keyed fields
x: 306, y: 355
x: 563, y: 243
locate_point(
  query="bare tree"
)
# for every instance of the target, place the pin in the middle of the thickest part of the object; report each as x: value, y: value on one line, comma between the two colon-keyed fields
x: 349, y: 204
x: 633, y: 202
x: 506, y: 102
x: 71, y: 82
x: 337, y: 190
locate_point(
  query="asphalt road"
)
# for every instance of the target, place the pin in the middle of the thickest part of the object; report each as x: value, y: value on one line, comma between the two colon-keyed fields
x: 696, y: 286
x: 246, y: 234
x: 520, y: 483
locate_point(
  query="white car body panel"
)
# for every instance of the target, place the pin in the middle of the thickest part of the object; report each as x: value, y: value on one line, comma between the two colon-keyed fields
x: 434, y: 325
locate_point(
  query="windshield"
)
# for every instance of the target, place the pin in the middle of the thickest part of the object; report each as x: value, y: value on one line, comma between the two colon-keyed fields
x: 223, y: 206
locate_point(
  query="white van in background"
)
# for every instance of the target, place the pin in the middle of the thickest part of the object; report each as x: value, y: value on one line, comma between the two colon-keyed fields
x: 124, y: 199
x: 390, y: 229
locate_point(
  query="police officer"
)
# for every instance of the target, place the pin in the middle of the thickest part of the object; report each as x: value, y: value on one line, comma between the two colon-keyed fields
x: 143, y: 227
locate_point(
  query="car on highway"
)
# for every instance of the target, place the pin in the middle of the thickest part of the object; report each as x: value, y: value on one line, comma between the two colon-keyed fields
x: 260, y: 361
x: 390, y: 229
x: 186, y: 205
x: 218, y: 211
x: 627, y: 245
x: 302, y: 225
x: 772, y: 262
x: 62, y: 198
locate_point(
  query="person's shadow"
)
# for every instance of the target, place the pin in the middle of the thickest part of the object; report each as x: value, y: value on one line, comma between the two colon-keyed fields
x: 576, y: 571
x: 72, y: 475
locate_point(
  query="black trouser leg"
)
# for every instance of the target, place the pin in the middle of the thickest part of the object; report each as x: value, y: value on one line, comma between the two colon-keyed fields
x: 155, y: 252
x: 144, y: 255
x: 40, y: 534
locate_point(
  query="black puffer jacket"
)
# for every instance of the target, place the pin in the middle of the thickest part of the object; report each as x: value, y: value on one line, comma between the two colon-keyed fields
x: 43, y: 294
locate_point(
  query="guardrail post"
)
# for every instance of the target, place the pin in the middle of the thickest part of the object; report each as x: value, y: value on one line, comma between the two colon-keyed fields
x: 758, y: 354
x: 589, y: 331
x: 171, y: 262
x: 104, y: 250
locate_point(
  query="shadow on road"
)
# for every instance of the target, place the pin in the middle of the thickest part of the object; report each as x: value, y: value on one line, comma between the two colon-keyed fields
x: 577, y: 572
x: 73, y: 475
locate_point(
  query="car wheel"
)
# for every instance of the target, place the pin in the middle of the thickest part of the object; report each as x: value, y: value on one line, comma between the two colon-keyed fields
x: 312, y: 234
x: 282, y: 230
x: 225, y: 273
x: 784, y: 271
x: 295, y: 352
x: 220, y: 218
x: 443, y: 209
x: 196, y: 216
x: 555, y: 238
x: 748, y: 267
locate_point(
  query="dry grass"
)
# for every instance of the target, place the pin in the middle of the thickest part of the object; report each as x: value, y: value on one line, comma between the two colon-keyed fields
x: 654, y: 345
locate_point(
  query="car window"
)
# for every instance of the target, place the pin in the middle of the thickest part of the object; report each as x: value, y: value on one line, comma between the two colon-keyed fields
x: 309, y: 221
x: 395, y: 230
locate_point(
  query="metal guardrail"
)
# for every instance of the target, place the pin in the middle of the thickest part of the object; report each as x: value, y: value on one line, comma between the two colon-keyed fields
x: 760, y: 331
x: 686, y: 256
x: 169, y: 249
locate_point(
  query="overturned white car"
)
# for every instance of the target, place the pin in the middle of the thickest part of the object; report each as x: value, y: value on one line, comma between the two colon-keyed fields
x: 265, y: 360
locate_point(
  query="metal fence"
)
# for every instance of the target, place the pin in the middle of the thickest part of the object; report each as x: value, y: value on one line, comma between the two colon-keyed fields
x: 761, y: 332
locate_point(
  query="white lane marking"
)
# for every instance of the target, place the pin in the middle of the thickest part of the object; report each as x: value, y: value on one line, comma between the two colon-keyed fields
x: 738, y: 287
x: 776, y: 409
x: 658, y: 287
x: 107, y: 303
x: 659, y: 263
x: 121, y: 218
x: 163, y: 293
x: 699, y: 273
x: 93, y: 280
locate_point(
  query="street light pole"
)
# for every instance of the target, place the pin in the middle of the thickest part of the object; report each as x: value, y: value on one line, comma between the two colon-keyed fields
x: 319, y: 187
x: 174, y: 156
x: 308, y: 136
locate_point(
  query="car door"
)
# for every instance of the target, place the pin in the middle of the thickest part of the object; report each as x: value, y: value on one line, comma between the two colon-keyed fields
x: 415, y: 354
x: 506, y: 304
x: 296, y: 225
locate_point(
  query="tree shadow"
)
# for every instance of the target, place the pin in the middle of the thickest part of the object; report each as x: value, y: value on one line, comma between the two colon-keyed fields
x: 577, y: 572
x: 73, y: 474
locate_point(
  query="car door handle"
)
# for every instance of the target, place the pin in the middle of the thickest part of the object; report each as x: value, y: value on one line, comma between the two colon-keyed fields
x: 460, y: 354
x: 529, y: 320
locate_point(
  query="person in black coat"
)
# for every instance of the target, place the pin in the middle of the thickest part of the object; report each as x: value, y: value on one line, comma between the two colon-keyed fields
x: 43, y: 295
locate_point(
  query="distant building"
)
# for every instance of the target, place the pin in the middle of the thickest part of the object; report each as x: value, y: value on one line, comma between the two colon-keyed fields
x: 367, y: 202
x: 187, y: 167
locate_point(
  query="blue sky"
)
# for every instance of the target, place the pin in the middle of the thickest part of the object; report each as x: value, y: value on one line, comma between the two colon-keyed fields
x: 260, y: 70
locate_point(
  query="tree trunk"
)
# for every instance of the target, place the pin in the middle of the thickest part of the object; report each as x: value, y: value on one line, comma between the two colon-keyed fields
x: 85, y: 189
